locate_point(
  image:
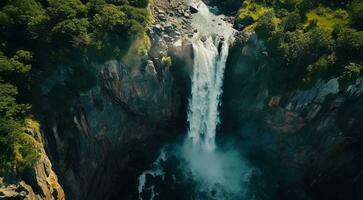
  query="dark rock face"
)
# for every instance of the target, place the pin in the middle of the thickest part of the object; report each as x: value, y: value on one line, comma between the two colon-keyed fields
x: 316, y: 132
x: 102, y: 141
x: 143, y: 92
x: 118, y: 124
x: 193, y: 9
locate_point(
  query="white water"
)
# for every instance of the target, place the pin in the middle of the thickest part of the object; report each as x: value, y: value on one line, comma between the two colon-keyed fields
x: 207, y: 82
x: 217, y: 173
x: 208, y: 74
x: 156, y: 170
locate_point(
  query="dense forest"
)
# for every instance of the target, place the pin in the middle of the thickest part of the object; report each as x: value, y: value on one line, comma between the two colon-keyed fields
x: 39, y: 37
x: 296, y: 43
x: 305, y: 40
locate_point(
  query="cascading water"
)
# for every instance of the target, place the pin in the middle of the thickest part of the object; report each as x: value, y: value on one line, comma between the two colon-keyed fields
x: 215, y: 173
x: 207, y: 81
x: 210, y: 56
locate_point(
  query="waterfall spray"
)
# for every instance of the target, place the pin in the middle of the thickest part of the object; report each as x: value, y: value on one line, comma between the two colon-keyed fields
x: 217, y: 173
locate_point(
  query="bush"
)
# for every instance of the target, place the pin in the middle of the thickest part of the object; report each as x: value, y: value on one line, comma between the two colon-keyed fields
x: 292, y: 21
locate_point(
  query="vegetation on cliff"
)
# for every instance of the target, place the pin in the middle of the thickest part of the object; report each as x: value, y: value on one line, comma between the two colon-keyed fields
x: 41, y: 37
x: 307, y: 40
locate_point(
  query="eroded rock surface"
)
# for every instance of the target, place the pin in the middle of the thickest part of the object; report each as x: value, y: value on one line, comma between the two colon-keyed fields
x: 38, y: 183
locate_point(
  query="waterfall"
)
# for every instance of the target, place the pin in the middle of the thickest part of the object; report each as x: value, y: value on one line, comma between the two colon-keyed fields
x: 216, y: 173
x: 207, y: 81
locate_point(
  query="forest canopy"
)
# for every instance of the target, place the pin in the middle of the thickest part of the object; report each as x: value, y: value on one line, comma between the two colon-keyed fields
x: 307, y: 40
x: 39, y: 36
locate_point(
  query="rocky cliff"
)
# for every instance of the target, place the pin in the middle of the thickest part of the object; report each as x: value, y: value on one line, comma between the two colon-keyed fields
x: 100, y: 142
x: 40, y: 182
x: 314, y: 131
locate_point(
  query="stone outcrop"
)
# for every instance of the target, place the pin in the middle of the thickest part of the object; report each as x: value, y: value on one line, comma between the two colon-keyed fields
x: 38, y: 183
x: 312, y: 130
x: 145, y: 92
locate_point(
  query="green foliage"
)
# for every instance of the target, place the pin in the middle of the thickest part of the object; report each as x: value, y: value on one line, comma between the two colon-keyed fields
x: 16, y: 68
x: 17, y: 148
x: 327, y: 18
x: 349, y: 44
x: 228, y: 5
x: 139, y: 3
x: 251, y: 12
x: 167, y: 61
x: 60, y: 10
x: 292, y: 21
x: 265, y: 26
x: 42, y: 38
x: 70, y: 32
x: 307, y: 40
x: 356, y: 10
x: 351, y: 72
x: 110, y: 18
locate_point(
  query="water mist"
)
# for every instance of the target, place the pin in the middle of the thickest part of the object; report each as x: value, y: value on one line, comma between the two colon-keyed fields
x: 216, y: 172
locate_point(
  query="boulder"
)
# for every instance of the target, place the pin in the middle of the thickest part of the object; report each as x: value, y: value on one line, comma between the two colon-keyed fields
x: 157, y: 28
x: 193, y: 9
x: 168, y: 28
x: 162, y: 17
x: 203, y: 38
x: 187, y: 15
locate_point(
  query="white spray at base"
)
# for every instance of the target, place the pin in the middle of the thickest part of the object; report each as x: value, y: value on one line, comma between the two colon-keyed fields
x: 217, y: 174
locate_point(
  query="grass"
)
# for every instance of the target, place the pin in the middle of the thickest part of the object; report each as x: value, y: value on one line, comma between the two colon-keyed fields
x: 253, y: 10
x: 327, y: 18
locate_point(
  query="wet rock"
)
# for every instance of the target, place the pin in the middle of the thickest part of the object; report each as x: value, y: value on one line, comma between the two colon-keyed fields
x: 167, y: 38
x: 284, y: 121
x: 162, y: 17
x: 275, y: 101
x: 177, y: 33
x: 159, y: 11
x: 187, y: 15
x: 157, y: 28
x: 150, y: 68
x: 168, y: 29
x: 193, y: 9
x: 203, y: 38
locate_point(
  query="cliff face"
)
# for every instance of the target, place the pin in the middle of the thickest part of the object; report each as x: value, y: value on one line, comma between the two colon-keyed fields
x: 316, y: 132
x: 110, y: 133
x: 111, y: 130
x: 40, y: 182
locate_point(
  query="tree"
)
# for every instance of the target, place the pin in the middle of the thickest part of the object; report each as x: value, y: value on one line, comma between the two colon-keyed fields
x: 292, y: 21
x: 70, y: 32
x: 110, y: 18
x: 60, y: 10
x: 351, y: 72
x: 357, y: 14
x: 265, y: 26
x: 139, y: 3
x: 349, y: 45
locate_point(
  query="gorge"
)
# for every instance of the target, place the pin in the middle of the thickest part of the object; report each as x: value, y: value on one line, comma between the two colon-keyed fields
x: 181, y: 99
